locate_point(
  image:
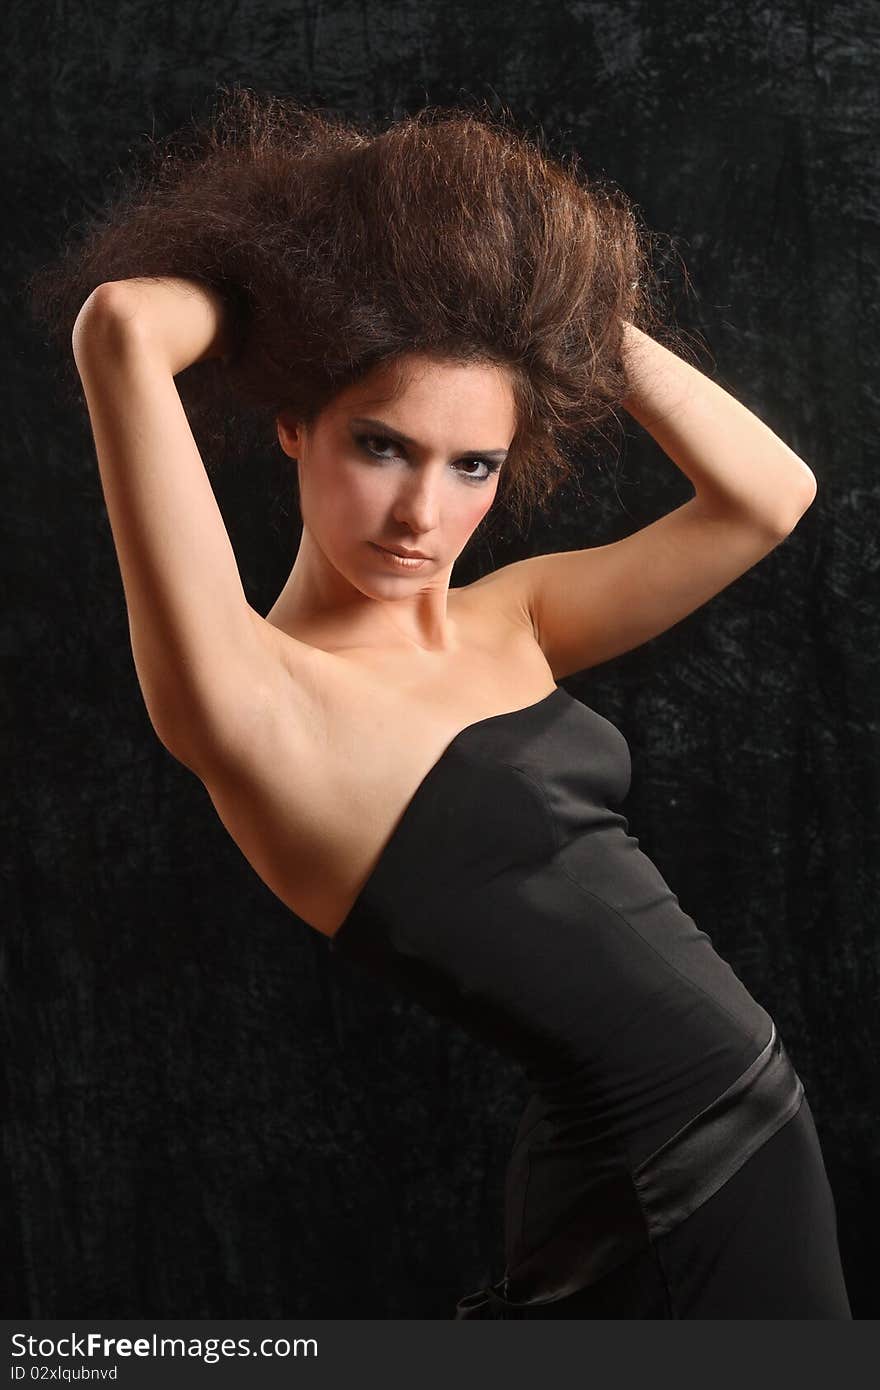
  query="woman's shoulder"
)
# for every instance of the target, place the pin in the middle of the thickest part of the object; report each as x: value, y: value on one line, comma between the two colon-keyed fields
x: 499, y: 597
x: 312, y: 783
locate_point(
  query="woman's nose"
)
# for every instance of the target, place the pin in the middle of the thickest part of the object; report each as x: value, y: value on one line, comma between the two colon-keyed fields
x: 418, y: 503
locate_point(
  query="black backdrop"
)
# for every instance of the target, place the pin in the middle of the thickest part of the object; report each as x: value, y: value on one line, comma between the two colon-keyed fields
x: 205, y: 1114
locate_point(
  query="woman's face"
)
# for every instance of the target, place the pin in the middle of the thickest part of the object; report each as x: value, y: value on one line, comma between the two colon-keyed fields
x: 413, y: 467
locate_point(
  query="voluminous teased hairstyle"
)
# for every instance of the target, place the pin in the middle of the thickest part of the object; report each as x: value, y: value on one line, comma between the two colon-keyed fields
x: 341, y: 246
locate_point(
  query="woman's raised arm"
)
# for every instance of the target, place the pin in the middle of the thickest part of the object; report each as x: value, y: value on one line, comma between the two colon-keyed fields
x: 207, y: 663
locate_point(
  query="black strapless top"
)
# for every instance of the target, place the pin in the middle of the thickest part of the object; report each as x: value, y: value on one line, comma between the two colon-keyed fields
x: 512, y: 899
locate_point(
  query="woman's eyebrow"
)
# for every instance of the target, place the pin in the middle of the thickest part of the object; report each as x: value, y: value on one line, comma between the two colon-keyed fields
x: 380, y: 427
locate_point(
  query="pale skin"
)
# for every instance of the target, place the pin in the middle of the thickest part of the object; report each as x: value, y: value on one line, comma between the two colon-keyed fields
x: 311, y: 728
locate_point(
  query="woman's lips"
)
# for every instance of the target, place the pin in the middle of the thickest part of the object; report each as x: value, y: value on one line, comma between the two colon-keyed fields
x: 399, y: 561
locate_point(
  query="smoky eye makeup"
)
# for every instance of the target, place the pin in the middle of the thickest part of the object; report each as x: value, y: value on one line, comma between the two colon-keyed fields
x: 374, y: 432
x: 366, y: 442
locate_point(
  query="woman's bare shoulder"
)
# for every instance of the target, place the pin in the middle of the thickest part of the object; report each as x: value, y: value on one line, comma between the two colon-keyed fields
x: 499, y: 595
x: 313, y: 781
x: 300, y: 691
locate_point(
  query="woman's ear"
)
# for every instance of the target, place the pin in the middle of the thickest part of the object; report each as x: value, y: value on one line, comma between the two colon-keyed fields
x: 289, y: 434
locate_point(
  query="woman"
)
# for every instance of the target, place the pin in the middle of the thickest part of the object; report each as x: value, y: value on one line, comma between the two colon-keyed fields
x: 433, y: 313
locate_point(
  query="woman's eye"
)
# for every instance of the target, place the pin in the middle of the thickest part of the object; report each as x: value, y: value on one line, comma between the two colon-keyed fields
x: 367, y: 441
x: 489, y: 466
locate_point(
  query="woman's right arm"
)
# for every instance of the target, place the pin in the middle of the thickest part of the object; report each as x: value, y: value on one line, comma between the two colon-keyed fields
x: 207, y: 663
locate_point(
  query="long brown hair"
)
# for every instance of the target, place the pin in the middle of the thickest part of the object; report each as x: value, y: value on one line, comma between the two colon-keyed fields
x: 341, y: 245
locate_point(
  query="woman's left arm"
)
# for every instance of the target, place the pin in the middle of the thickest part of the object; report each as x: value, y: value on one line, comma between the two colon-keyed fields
x: 735, y: 462
x: 589, y: 605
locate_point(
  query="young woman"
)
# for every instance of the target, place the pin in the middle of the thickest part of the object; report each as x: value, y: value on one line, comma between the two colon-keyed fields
x: 430, y: 314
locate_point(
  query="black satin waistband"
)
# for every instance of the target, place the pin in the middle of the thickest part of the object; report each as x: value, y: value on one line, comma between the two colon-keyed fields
x: 632, y: 1209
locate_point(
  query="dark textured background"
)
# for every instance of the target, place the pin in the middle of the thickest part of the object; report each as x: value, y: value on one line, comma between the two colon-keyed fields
x: 204, y: 1113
